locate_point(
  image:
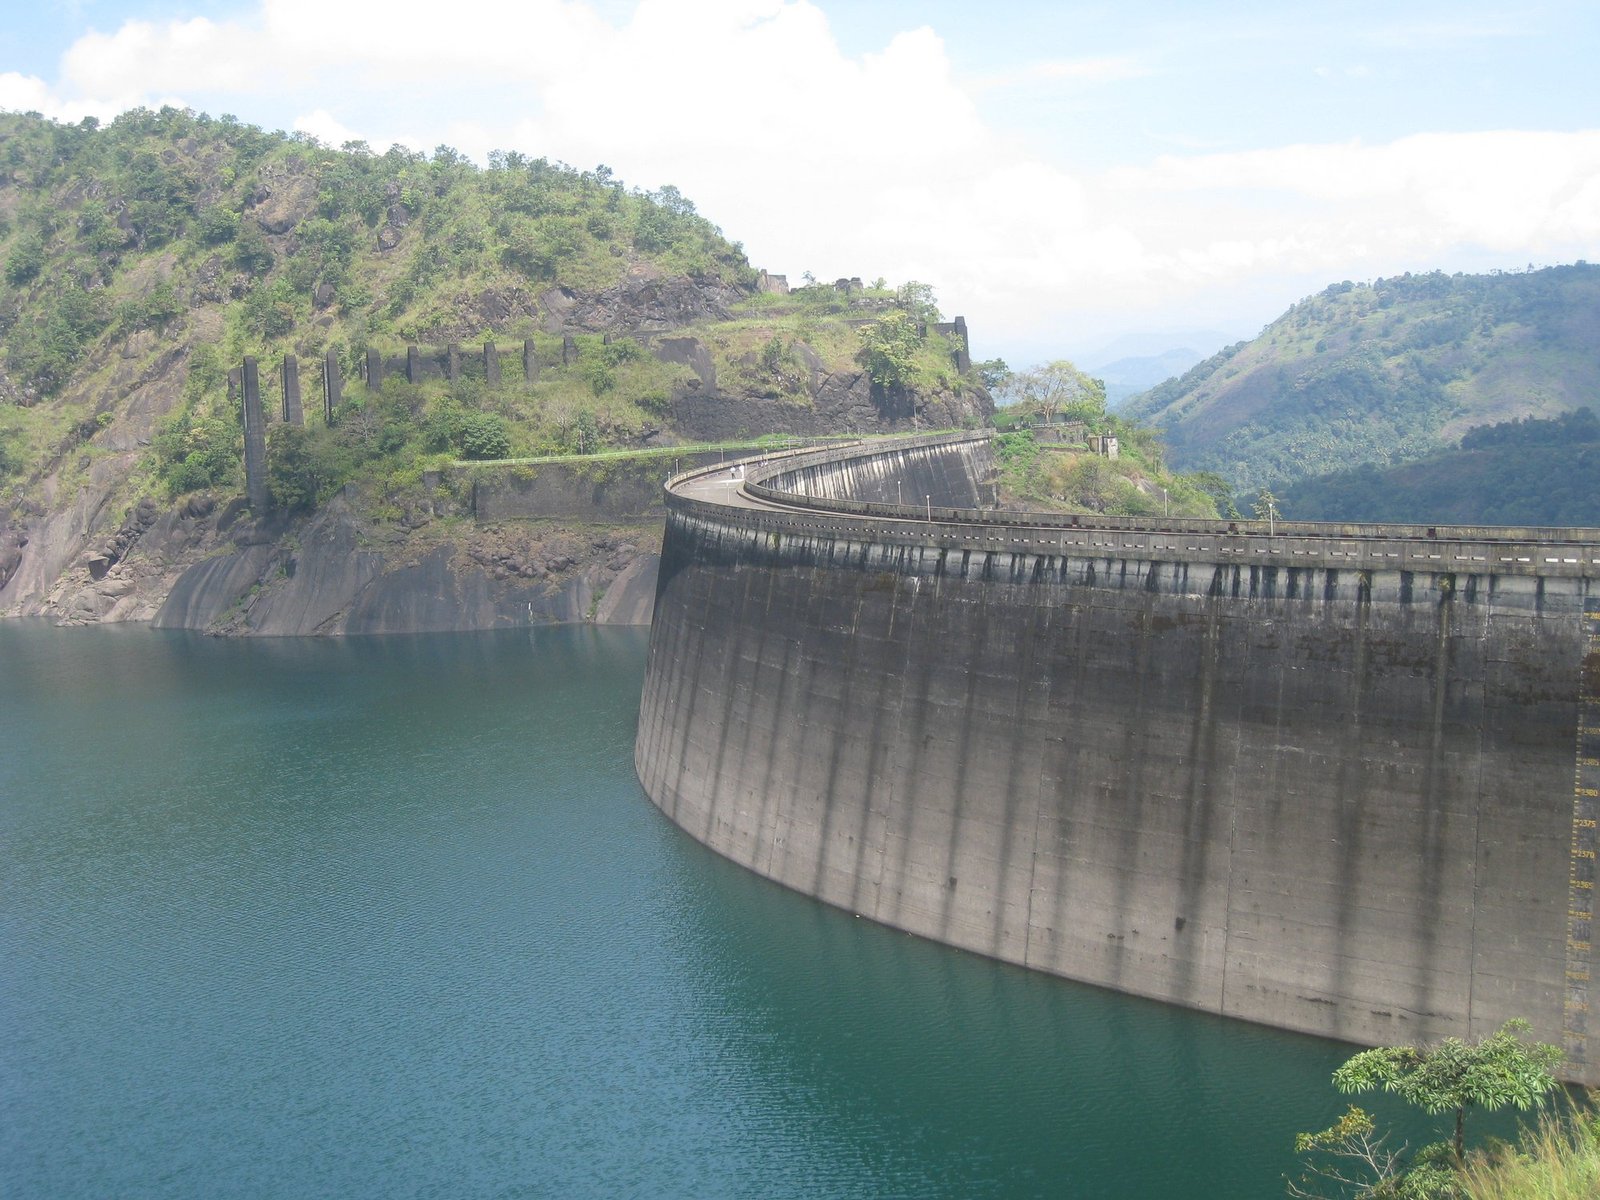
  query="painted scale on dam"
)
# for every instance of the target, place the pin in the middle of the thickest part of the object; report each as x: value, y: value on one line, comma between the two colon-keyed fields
x: 1339, y: 779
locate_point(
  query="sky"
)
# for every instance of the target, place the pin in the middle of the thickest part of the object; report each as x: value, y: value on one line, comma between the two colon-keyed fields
x: 1078, y: 179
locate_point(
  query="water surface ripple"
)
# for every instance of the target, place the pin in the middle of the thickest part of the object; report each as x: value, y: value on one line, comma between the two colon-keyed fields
x: 391, y: 917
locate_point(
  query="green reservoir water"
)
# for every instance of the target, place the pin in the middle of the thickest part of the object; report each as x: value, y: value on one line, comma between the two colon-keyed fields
x: 391, y: 918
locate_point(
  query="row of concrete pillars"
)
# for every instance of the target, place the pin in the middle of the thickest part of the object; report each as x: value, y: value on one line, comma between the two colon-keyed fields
x: 245, y: 382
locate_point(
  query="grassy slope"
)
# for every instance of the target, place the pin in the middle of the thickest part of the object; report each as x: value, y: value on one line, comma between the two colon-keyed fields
x: 1384, y: 374
x: 157, y: 252
x: 1054, y: 478
x: 1557, y: 1159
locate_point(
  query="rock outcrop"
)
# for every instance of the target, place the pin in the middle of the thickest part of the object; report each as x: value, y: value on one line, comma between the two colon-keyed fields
x: 339, y: 575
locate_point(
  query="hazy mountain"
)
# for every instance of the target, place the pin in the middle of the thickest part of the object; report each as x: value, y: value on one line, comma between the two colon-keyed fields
x: 1150, y: 343
x: 1127, y: 377
x: 1384, y: 374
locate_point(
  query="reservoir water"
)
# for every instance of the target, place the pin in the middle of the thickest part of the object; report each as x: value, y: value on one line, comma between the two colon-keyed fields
x: 391, y: 917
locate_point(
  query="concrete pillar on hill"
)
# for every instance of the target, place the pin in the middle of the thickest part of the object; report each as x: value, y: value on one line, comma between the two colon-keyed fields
x: 293, y: 410
x: 964, y: 348
x: 413, y: 365
x: 255, y: 440
x: 453, y: 362
x: 374, y: 370
x: 233, y: 385
x: 491, y: 363
x: 530, y: 361
x: 569, y: 350
x: 332, y: 386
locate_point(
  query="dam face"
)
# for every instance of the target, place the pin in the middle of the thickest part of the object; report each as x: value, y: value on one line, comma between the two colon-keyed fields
x: 1334, y: 779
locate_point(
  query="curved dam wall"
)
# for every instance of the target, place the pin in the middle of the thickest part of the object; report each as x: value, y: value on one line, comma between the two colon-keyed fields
x: 1336, y: 779
x: 950, y: 471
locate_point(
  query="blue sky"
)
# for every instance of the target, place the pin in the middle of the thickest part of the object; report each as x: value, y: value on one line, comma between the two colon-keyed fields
x: 1063, y: 173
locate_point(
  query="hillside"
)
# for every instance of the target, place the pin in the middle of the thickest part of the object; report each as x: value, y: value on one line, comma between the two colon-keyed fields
x: 1055, y: 453
x: 1383, y: 374
x: 141, y: 262
x: 1528, y: 472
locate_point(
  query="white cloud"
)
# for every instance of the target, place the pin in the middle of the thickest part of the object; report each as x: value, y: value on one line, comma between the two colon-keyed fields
x: 143, y: 58
x: 1501, y: 190
x: 865, y: 164
x: 330, y: 131
x: 29, y: 93
x: 1080, y: 70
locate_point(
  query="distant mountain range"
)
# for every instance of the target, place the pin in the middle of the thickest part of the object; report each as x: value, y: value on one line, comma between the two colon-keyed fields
x: 1127, y: 377
x: 1373, y: 376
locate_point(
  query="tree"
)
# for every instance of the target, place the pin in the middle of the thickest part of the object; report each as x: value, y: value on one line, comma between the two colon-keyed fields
x: 889, y: 348
x: 1220, y: 491
x: 26, y: 259
x: 484, y: 436
x: 992, y: 373
x: 1352, y: 1157
x: 1453, y: 1075
x: 918, y: 301
x: 1058, y: 387
x: 293, y: 478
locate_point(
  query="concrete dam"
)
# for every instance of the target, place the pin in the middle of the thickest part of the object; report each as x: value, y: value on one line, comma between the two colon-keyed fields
x: 1337, y: 779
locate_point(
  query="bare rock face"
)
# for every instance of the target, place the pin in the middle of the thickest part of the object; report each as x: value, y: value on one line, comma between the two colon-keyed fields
x: 283, y: 202
x: 838, y: 402
x: 472, y: 312
x: 691, y: 353
x: 340, y: 579
x: 13, y: 538
x: 641, y: 304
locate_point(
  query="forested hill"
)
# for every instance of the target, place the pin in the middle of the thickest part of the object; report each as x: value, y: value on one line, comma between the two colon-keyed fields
x: 135, y: 225
x: 1384, y: 373
x: 1527, y: 472
x: 141, y: 261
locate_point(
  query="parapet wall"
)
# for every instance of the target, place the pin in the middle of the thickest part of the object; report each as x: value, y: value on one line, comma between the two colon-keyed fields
x: 1335, y: 779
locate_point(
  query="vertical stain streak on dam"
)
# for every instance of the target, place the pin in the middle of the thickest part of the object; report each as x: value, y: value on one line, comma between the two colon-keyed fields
x: 1319, y: 777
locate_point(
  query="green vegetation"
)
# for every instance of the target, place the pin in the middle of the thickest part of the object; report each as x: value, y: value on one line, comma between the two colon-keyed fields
x: 1057, y: 477
x: 889, y: 348
x: 170, y: 245
x: 1527, y: 472
x: 1056, y: 390
x: 162, y: 216
x: 406, y: 428
x: 1352, y: 1158
x: 1383, y: 374
x: 1557, y: 1159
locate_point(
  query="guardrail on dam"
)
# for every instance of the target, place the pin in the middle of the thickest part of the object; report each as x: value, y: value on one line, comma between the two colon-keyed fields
x: 1339, y: 779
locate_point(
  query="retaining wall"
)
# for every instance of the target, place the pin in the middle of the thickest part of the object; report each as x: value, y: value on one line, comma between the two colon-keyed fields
x: 1335, y: 779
